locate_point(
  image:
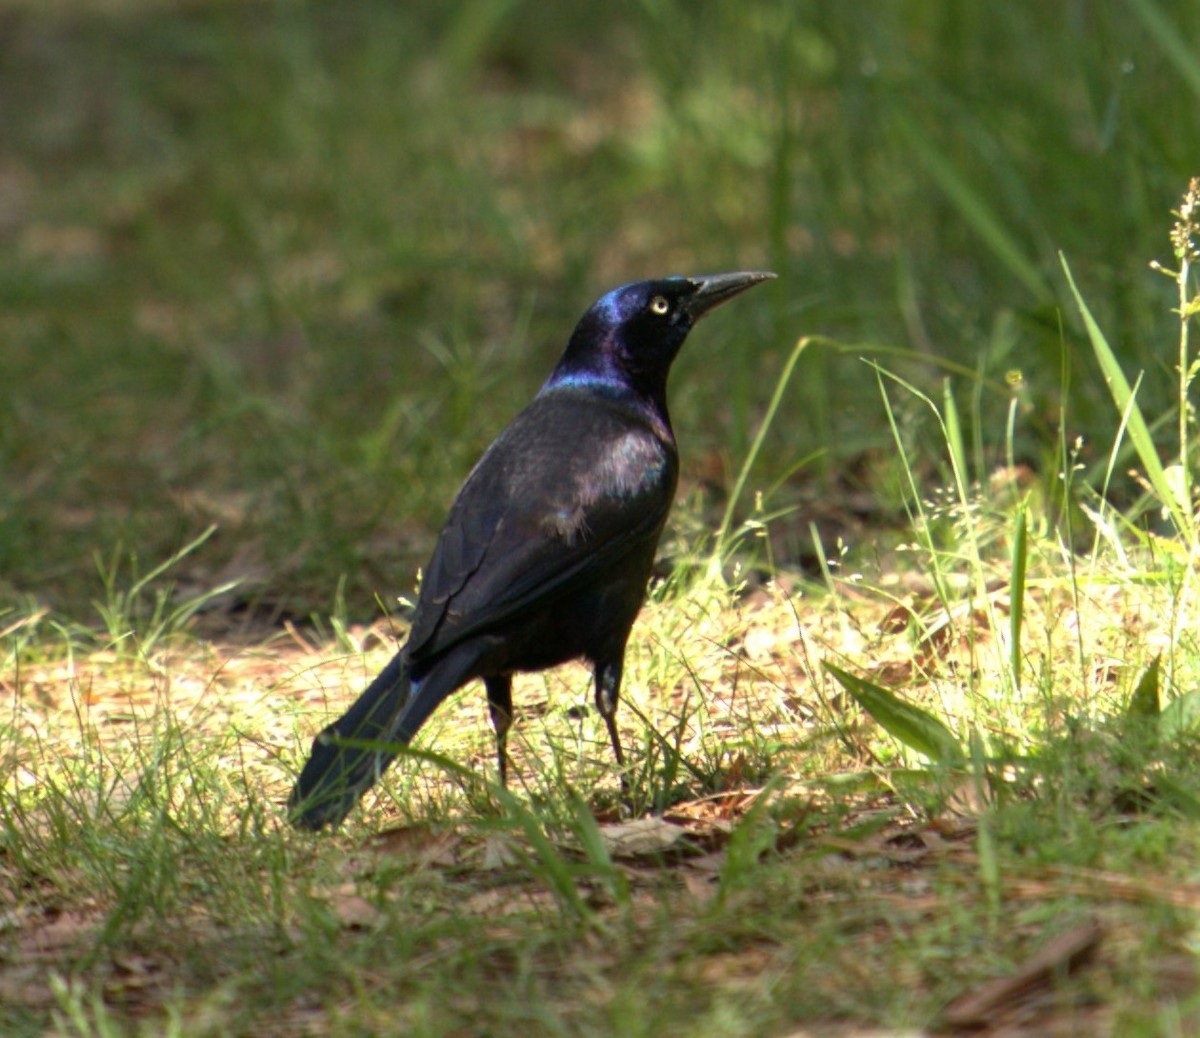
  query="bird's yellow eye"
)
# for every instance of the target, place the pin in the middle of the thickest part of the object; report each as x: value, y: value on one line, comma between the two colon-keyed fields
x: 659, y: 305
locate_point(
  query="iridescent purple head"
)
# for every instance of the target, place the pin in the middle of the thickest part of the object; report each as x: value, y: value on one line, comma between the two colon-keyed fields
x: 631, y: 335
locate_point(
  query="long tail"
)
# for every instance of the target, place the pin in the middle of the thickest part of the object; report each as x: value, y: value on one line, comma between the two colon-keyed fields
x: 390, y: 711
x: 336, y: 775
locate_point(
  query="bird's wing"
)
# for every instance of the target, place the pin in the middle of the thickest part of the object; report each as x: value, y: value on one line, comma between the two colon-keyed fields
x: 567, y: 490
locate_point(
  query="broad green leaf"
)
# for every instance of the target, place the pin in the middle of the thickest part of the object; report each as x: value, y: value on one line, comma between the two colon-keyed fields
x: 916, y: 728
x: 1144, y: 701
x: 1181, y: 715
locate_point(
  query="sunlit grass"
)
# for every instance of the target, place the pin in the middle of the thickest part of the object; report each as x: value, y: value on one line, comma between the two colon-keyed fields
x: 143, y: 818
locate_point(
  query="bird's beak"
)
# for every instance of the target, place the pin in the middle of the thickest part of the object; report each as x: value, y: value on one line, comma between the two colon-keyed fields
x: 711, y: 290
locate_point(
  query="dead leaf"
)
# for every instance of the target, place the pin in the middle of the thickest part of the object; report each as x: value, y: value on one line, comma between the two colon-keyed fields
x: 1064, y: 953
x: 420, y: 844
x: 715, y: 807
x: 744, y: 968
x: 852, y: 1031
x: 25, y: 986
x: 701, y: 885
x: 897, y: 620
x: 352, y: 910
x: 499, y: 852
x: 63, y: 931
x: 643, y: 837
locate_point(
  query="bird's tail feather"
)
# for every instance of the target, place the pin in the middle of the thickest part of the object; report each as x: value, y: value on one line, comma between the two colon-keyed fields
x: 349, y: 756
x: 337, y: 774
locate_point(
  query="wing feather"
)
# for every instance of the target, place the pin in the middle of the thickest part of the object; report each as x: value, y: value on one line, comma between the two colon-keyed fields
x: 574, y: 484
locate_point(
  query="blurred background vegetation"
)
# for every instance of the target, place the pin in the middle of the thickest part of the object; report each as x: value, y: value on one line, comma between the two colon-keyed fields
x: 287, y: 267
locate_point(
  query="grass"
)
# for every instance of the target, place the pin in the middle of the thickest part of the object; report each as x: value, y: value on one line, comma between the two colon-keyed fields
x: 809, y: 868
x: 296, y: 265
x: 274, y: 273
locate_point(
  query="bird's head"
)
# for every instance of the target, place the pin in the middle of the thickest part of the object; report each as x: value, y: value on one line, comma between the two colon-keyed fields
x: 631, y: 335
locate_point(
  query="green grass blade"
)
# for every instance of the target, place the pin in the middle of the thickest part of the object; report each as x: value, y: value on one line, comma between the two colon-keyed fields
x: 1171, y: 42
x: 141, y: 584
x: 557, y: 873
x: 954, y: 435
x: 1126, y: 403
x: 1177, y: 796
x: 916, y: 728
x: 595, y: 850
x: 974, y: 209
x: 740, y: 484
x: 751, y: 838
x: 985, y: 838
x: 1016, y: 613
x: 1145, y: 702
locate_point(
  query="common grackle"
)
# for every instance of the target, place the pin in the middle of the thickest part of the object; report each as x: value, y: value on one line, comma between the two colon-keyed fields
x: 548, y: 548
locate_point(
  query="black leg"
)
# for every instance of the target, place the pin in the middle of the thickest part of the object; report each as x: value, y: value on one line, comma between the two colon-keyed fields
x: 499, y: 694
x: 608, y: 693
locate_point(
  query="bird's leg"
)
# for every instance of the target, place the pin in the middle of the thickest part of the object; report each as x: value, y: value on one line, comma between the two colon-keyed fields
x: 608, y: 692
x: 499, y: 695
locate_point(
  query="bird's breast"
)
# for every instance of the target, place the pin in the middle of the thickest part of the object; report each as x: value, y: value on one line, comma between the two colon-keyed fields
x: 634, y: 474
x: 633, y: 465
x: 566, y: 522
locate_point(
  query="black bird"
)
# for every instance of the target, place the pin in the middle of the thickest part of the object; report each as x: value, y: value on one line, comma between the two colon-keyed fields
x: 548, y: 548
